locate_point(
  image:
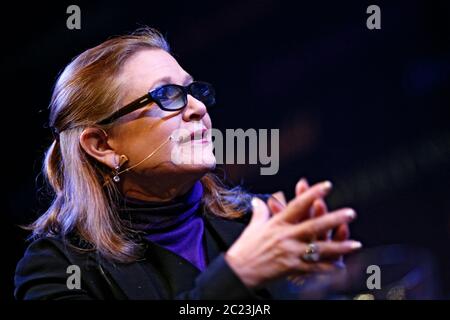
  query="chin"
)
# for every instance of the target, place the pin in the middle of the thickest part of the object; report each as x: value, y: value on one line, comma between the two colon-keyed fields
x: 200, y: 168
x: 205, y: 165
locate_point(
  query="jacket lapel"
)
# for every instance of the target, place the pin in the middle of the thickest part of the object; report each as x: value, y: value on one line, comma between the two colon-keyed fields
x: 225, y: 232
x: 179, y: 273
x: 133, y: 281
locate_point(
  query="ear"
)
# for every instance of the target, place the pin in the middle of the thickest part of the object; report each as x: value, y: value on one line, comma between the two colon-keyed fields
x: 95, y: 142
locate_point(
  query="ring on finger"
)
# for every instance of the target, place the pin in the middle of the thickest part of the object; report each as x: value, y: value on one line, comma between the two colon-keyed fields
x: 311, y: 253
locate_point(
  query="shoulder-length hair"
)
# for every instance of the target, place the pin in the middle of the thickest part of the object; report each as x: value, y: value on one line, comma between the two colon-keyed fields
x: 85, y: 92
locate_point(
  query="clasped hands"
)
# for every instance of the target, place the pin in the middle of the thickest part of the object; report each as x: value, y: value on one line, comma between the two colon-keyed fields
x: 292, y: 239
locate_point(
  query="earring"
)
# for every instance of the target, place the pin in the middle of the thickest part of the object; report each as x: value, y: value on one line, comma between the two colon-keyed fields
x: 122, y: 160
x: 116, y: 177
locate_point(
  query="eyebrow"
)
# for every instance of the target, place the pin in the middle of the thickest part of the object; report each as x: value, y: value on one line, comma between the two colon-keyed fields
x: 168, y: 80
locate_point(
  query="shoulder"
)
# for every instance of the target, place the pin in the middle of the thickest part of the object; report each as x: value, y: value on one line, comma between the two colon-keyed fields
x: 49, y: 249
x: 44, y: 268
x: 54, y: 249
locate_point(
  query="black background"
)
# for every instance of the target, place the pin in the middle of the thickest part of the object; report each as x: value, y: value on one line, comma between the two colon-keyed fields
x: 367, y: 109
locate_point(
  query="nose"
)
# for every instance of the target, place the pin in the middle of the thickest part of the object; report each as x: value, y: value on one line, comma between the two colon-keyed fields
x: 195, y: 109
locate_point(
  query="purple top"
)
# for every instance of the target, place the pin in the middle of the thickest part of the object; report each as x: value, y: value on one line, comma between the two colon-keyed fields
x: 176, y: 225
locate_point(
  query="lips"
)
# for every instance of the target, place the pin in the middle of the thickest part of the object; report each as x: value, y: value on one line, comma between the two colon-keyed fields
x: 196, y: 135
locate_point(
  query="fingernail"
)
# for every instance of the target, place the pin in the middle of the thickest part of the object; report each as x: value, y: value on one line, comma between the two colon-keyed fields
x: 278, y: 195
x: 350, y: 213
x: 255, y: 203
x: 355, y: 244
x: 326, y: 186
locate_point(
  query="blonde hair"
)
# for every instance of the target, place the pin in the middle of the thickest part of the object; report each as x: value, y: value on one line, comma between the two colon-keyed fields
x: 85, y: 92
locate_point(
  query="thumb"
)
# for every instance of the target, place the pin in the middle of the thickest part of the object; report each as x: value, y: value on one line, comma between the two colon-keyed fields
x: 261, y: 212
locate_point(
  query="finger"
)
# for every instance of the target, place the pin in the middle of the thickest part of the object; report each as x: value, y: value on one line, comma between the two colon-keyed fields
x: 280, y: 197
x: 342, y: 233
x: 260, y: 212
x: 274, y: 205
x: 311, y: 229
x: 332, y: 250
x: 277, y: 202
x: 298, y: 208
x: 301, y: 186
x: 319, y: 209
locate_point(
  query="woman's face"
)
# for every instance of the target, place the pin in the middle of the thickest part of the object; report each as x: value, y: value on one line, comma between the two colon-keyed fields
x: 143, y: 131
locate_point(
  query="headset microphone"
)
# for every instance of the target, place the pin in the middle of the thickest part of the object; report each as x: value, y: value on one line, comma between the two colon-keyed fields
x: 170, y: 138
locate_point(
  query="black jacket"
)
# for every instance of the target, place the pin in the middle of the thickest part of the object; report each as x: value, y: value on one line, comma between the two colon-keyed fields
x: 161, y: 274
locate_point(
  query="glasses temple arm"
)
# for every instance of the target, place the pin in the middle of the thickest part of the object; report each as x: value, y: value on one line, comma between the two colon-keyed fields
x: 134, y: 105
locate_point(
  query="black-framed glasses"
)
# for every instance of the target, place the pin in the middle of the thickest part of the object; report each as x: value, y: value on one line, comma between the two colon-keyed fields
x: 169, y: 97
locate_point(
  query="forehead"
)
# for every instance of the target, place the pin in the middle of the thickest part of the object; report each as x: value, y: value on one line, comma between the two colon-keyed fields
x: 145, y: 69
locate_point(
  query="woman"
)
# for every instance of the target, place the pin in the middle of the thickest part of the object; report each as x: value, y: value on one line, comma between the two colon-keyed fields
x: 135, y: 219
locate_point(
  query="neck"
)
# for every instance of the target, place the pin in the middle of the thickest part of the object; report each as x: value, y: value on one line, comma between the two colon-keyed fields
x: 161, y: 189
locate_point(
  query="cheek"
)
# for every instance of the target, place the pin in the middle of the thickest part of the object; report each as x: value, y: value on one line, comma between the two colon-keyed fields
x: 138, y: 139
x: 155, y: 139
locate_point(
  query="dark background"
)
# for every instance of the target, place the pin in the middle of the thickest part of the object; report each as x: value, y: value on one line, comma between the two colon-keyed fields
x: 367, y: 109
